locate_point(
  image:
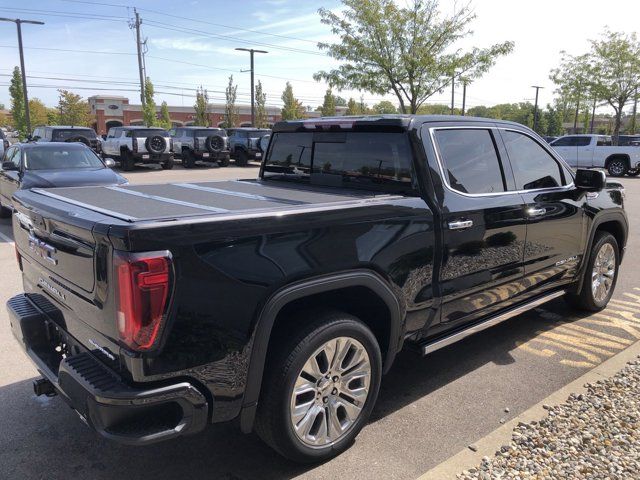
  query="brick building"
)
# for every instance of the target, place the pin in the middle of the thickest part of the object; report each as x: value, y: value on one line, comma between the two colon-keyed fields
x: 114, y: 111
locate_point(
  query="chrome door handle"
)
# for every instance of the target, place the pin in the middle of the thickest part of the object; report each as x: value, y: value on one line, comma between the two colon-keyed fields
x: 460, y: 224
x: 536, y: 212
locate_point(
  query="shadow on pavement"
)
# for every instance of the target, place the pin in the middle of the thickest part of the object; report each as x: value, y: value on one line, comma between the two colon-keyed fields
x: 42, y: 436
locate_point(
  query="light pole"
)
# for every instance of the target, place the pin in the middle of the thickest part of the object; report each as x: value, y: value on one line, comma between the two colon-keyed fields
x: 535, y: 108
x: 253, y: 93
x: 18, y: 23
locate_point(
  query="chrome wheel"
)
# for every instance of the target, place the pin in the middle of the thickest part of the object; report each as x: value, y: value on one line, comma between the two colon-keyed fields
x: 330, y: 392
x: 617, y: 168
x: 603, y: 273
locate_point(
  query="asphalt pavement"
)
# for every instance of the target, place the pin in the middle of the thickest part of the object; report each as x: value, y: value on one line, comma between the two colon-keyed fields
x: 428, y: 409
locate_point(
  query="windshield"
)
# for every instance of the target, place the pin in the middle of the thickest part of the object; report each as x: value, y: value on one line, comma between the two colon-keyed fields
x: 149, y: 132
x: 341, y: 159
x: 62, y: 135
x: 206, y: 133
x: 60, y: 158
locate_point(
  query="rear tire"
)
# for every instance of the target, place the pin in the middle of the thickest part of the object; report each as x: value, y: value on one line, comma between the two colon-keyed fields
x: 600, y: 276
x: 617, y: 167
x: 634, y: 173
x: 167, y: 164
x: 188, y: 160
x: 224, y: 161
x: 334, y: 396
x: 242, y: 158
x: 127, y: 162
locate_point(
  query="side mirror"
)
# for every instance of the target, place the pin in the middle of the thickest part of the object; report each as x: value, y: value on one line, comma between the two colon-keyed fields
x: 590, y: 180
x: 109, y: 162
x: 9, y: 166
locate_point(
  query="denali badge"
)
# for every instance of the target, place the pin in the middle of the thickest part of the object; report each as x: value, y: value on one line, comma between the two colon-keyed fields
x: 102, y: 350
x: 42, y: 249
x: 51, y: 289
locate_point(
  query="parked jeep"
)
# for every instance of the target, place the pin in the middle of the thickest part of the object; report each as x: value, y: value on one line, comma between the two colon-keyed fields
x: 131, y: 145
x: 193, y: 144
x: 244, y: 143
x: 63, y: 133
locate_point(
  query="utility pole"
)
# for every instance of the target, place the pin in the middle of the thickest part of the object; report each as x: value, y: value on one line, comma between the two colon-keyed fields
x: 253, y: 91
x: 464, y: 96
x: 635, y: 111
x: 18, y: 23
x: 593, y: 115
x: 453, y: 92
x: 535, y: 108
x: 136, y: 25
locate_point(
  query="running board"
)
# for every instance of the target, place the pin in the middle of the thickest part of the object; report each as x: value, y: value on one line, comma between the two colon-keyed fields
x: 437, y: 344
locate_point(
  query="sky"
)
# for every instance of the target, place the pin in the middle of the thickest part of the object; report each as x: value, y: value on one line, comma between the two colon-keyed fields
x: 87, y: 46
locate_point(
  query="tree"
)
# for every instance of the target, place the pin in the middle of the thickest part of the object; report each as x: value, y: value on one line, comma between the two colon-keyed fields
x: 384, y: 106
x: 261, y: 109
x: 38, y: 112
x: 202, y: 108
x: 573, y: 79
x: 292, y: 108
x: 149, y: 115
x: 165, y: 119
x: 339, y: 101
x: 72, y: 110
x: 230, y: 110
x: 616, y: 71
x: 409, y: 51
x: 17, y: 103
x: 352, y: 107
x: 329, y: 106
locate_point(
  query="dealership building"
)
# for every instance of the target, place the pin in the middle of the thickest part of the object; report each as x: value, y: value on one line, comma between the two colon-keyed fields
x: 114, y: 111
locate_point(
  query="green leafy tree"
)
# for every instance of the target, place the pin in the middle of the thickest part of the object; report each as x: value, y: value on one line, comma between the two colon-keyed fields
x: 38, y: 112
x: 329, y: 106
x: 52, y: 116
x: 165, y: 118
x: 72, y: 110
x: 437, y: 109
x: 616, y: 71
x: 352, y: 107
x: 149, y: 114
x: 201, y: 108
x: 554, y: 119
x: 261, y: 106
x: 230, y: 110
x: 339, y: 101
x: 384, y: 106
x: 573, y: 80
x: 410, y: 51
x: 17, y: 103
x: 292, y: 108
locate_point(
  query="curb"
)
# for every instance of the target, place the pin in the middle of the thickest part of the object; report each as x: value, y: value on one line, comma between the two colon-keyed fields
x: 492, y: 442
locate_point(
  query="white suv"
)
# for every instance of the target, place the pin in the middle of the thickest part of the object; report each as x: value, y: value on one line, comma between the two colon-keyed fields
x: 131, y: 145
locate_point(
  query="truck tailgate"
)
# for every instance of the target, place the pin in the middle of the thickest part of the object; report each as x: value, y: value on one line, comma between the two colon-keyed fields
x: 133, y: 203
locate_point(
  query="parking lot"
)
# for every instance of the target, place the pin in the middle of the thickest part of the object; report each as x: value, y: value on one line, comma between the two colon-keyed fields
x: 429, y: 408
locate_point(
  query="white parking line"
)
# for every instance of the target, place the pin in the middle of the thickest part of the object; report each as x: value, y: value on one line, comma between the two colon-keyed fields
x: 6, y: 238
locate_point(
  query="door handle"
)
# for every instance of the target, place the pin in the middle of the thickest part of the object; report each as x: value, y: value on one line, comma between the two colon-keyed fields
x: 460, y: 224
x: 536, y: 212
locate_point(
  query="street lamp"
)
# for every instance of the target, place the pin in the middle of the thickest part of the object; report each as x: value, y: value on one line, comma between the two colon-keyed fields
x: 18, y: 23
x: 535, y: 108
x: 253, y: 93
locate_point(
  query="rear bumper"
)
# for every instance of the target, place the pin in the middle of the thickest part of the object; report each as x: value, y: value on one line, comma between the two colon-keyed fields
x: 118, y: 411
x: 140, y: 157
x: 211, y: 155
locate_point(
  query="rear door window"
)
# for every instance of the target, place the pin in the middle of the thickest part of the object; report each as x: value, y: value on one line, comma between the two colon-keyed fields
x: 566, y: 142
x: 470, y: 160
x: 533, y: 167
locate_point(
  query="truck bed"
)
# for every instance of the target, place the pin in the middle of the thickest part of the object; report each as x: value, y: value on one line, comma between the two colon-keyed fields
x: 134, y: 203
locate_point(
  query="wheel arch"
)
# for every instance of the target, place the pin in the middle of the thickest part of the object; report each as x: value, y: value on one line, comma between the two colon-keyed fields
x: 289, y: 295
x: 614, y: 156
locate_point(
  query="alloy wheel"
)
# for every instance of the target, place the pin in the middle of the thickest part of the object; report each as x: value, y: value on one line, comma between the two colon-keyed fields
x: 603, y: 273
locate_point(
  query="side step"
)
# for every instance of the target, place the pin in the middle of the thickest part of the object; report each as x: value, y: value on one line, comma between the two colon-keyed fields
x: 441, y: 342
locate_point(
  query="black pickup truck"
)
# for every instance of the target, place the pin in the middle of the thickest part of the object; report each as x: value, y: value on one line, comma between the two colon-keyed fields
x: 156, y: 310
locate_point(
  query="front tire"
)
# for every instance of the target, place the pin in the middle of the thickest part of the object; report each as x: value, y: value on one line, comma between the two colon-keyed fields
x: 188, y: 160
x: 319, y: 388
x: 167, y: 164
x: 600, y: 276
x: 224, y: 161
x: 242, y: 158
x: 127, y: 162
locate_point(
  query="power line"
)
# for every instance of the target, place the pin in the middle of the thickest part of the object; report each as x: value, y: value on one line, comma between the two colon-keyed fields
x: 54, y: 13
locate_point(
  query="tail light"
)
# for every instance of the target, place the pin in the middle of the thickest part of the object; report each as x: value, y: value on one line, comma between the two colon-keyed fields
x: 134, y: 144
x: 144, y: 283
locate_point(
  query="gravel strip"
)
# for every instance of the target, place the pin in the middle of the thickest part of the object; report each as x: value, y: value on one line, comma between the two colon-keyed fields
x: 595, y: 435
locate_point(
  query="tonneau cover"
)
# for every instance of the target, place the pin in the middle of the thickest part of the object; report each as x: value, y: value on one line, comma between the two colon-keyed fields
x: 165, y: 201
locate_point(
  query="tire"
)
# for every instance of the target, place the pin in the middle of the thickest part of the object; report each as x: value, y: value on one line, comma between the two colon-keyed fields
x: 242, y: 158
x: 633, y: 173
x: 127, y: 162
x: 214, y: 143
x: 155, y: 144
x: 283, y: 370
x: 617, y: 167
x: 188, y: 160
x: 167, y: 164
x: 224, y: 161
x: 5, y: 212
x: 588, y: 299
